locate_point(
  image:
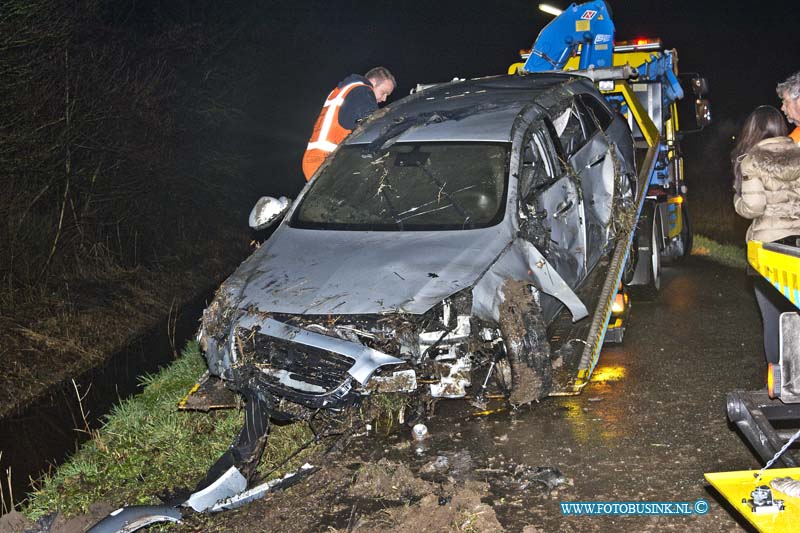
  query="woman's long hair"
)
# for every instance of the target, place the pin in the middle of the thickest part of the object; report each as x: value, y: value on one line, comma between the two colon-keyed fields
x: 764, y: 122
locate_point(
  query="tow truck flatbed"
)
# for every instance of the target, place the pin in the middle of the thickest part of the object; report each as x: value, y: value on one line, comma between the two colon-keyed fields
x: 779, y: 264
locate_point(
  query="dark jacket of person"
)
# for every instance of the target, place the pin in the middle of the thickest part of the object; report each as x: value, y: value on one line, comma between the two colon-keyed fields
x: 360, y: 103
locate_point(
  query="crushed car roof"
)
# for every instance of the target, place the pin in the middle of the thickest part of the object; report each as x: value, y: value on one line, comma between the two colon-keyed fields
x: 482, y: 109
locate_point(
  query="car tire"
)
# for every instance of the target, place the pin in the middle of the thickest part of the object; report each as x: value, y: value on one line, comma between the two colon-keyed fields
x: 528, y: 351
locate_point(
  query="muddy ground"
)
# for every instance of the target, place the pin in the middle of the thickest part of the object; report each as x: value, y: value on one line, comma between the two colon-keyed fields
x: 645, y: 429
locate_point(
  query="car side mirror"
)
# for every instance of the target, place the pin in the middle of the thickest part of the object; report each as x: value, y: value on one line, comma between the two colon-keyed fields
x: 267, y: 211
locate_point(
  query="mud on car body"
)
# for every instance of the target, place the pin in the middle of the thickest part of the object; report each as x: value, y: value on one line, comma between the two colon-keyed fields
x: 441, y: 240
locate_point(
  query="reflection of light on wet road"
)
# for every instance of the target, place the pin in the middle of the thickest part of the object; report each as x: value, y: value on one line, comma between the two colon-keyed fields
x: 577, y: 419
x: 602, y: 374
x: 680, y: 295
x: 593, y: 419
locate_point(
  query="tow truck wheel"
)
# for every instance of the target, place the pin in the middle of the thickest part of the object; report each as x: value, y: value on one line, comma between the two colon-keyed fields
x: 655, y: 255
x: 686, y: 231
x: 650, y: 230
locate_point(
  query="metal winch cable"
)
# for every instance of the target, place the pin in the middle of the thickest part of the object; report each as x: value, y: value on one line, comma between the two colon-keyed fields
x: 777, y: 455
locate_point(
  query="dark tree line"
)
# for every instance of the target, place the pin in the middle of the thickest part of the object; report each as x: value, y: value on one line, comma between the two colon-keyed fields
x: 114, y: 143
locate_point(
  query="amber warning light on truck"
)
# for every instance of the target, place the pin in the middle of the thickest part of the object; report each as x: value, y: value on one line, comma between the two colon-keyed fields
x: 773, y: 379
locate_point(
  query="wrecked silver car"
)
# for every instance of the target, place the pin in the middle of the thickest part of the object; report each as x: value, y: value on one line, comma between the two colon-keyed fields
x: 461, y: 235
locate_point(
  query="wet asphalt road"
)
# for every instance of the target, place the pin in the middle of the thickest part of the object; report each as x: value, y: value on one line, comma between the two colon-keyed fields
x: 648, y: 426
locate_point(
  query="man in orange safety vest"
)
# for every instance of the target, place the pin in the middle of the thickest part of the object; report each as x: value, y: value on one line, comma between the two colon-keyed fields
x: 789, y: 93
x: 353, y: 99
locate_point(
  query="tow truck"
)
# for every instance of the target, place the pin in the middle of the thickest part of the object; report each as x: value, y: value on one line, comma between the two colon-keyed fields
x: 640, y: 79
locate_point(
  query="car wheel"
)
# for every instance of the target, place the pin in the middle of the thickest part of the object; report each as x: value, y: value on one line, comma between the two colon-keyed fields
x: 527, y: 349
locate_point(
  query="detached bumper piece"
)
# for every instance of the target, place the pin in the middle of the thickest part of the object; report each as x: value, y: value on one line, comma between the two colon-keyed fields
x: 224, y: 486
x: 129, y: 519
x: 126, y: 519
x: 756, y: 417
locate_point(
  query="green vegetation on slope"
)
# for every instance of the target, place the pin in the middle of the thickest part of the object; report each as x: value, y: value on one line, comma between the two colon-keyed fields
x: 147, y: 446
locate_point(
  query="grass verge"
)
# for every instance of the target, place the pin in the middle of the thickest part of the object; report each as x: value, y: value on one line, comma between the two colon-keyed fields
x: 726, y: 254
x: 147, y: 446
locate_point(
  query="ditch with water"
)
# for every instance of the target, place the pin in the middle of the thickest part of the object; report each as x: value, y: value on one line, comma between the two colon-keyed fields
x: 53, y: 427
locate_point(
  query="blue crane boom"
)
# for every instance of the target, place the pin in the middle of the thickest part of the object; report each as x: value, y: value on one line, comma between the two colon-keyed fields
x: 588, y: 26
x: 587, y: 31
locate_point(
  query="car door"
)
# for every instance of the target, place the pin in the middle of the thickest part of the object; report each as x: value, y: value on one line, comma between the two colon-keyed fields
x: 586, y: 149
x: 551, y: 211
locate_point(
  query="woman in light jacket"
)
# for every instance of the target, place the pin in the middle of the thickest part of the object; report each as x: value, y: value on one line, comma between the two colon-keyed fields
x: 766, y: 166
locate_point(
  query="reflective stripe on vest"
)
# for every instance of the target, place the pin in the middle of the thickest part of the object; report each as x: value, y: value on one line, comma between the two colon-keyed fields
x: 320, y: 140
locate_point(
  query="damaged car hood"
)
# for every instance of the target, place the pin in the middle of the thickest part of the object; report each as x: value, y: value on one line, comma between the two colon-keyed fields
x: 304, y: 271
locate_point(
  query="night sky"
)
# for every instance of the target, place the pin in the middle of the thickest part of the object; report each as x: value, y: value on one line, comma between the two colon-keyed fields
x: 743, y: 48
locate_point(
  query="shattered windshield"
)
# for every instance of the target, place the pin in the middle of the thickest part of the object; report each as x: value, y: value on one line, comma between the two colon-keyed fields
x: 409, y: 186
